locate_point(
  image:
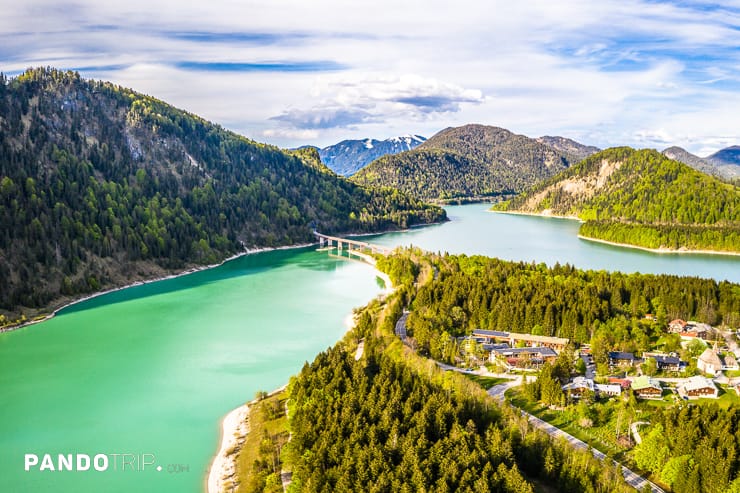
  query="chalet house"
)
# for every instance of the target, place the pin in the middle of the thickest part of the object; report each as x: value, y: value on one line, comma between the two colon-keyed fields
x: 608, y: 389
x: 694, y: 330
x: 709, y: 362
x: 667, y: 363
x: 697, y: 387
x: 579, y: 386
x: 618, y: 358
x: 514, y: 338
x: 676, y: 326
x: 645, y: 387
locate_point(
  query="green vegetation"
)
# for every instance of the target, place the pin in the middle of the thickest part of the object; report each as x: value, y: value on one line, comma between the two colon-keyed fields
x: 258, y: 460
x: 100, y: 185
x: 641, y: 198
x: 603, y: 308
x: 485, y: 382
x: 393, y: 421
x: 468, y: 161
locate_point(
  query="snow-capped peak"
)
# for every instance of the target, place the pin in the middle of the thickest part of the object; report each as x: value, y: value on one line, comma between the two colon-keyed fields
x: 368, y: 144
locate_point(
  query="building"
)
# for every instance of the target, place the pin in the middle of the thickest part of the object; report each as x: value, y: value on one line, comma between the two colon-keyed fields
x: 529, y: 357
x: 730, y: 363
x: 709, y: 362
x: 514, y: 339
x: 623, y: 383
x: 645, y: 387
x: 697, y: 387
x: 579, y: 386
x: 618, y: 358
x: 666, y: 363
x: 608, y: 389
x: 676, y: 326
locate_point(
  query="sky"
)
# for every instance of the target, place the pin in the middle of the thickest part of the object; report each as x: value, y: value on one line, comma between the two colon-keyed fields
x: 605, y: 73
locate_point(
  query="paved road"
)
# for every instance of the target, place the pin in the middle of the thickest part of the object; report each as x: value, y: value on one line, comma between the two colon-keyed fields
x: 590, y: 366
x: 401, y: 326
x: 633, y: 479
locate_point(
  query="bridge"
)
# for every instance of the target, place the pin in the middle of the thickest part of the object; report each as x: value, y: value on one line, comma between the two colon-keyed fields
x: 352, y: 246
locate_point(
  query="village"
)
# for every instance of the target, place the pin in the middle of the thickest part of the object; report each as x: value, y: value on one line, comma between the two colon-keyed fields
x: 708, y: 369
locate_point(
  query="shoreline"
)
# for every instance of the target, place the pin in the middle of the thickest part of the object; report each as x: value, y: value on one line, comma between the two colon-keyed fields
x: 191, y: 270
x: 234, y: 429
x: 660, y: 251
x: 537, y: 214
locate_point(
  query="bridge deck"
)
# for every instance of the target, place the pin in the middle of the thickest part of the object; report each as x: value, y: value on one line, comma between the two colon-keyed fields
x: 383, y: 250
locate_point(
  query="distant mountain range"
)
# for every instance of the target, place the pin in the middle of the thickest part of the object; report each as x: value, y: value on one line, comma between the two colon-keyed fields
x: 641, y: 198
x: 349, y: 156
x: 473, y: 161
x: 724, y: 163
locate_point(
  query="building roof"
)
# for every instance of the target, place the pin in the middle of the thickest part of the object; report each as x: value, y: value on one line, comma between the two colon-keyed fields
x: 609, y: 388
x: 710, y: 357
x: 621, y: 355
x: 645, y: 382
x: 666, y: 360
x: 490, y: 333
x: 544, y: 352
x: 678, y: 321
x: 580, y: 383
x: 697, y: 382
x: 730, y: 360
x: 541, y: 339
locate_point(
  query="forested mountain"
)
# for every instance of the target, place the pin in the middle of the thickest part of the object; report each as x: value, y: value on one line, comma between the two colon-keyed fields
x: 683, y: 156
x: 100, y: 185
x: 727, y: 161
x: 468, y: 161
x: 349, y: 156
x: 574, y: 151
x: 641, y: 198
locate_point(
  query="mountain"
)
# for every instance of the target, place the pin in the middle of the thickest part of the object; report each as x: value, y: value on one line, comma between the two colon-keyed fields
x: 349, y: 156
x: 683, y: 156
x: 100, y: 185
x: 727, y: 161
x: 574, y: 151
x: 641, y: 198
x: 467, y: 161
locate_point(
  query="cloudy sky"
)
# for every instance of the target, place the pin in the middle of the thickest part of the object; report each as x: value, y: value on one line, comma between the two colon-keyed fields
x: 608, y: 72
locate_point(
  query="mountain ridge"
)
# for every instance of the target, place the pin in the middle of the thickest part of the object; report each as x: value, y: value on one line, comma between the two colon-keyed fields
x: 349, y: 156
x: 469, y: 161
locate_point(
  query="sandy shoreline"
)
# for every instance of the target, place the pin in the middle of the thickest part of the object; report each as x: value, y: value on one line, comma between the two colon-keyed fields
x: 234, y: 429
x: 192, y: 270
x: 659, y: 250
x: 537, y: 214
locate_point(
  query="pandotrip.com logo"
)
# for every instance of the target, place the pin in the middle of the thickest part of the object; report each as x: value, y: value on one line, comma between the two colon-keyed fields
x: 125, y: 462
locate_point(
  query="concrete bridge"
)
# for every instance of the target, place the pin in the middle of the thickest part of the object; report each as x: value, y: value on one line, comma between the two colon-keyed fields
x: 352, y: 246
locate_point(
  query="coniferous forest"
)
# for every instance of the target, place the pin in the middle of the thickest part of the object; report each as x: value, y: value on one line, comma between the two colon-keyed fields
x: 100, y: 185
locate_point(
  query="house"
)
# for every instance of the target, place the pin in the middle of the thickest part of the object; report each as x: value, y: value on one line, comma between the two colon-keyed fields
x: 618, y: 358
x: 667, y: 363
x: 697, y: 387
x: 579, y: 386
x: 608, y: 389
x: 645, y: 387
x: 709, y: 362
x: 694, y: 330
x: 676, y: 326
x: 513, y: 339
x: 528, y: 357
x: 623, y: 383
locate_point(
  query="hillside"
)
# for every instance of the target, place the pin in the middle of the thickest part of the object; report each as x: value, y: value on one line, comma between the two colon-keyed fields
x: 349, y: 156
x: 727, y: 161
x: 574, y: 151
x: 467, y: 161
x: 641, y: 198
x: 683, y: 156
x: 100, y: 185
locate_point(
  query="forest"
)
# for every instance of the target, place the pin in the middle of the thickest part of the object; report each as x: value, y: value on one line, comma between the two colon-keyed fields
x: 641, y: 198
x: 100, y: 185
x: 392, y: 421
x: 467, y: 161
x: 582, y: 305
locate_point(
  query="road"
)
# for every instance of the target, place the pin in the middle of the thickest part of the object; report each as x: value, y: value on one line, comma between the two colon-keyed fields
x: 401, y: 326
x: 633, y: 479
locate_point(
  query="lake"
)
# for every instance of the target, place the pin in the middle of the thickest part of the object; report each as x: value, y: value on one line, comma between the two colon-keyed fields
x: 150, y: 370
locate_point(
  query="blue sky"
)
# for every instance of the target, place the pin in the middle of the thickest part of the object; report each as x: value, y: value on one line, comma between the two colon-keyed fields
x: 627, y: 72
